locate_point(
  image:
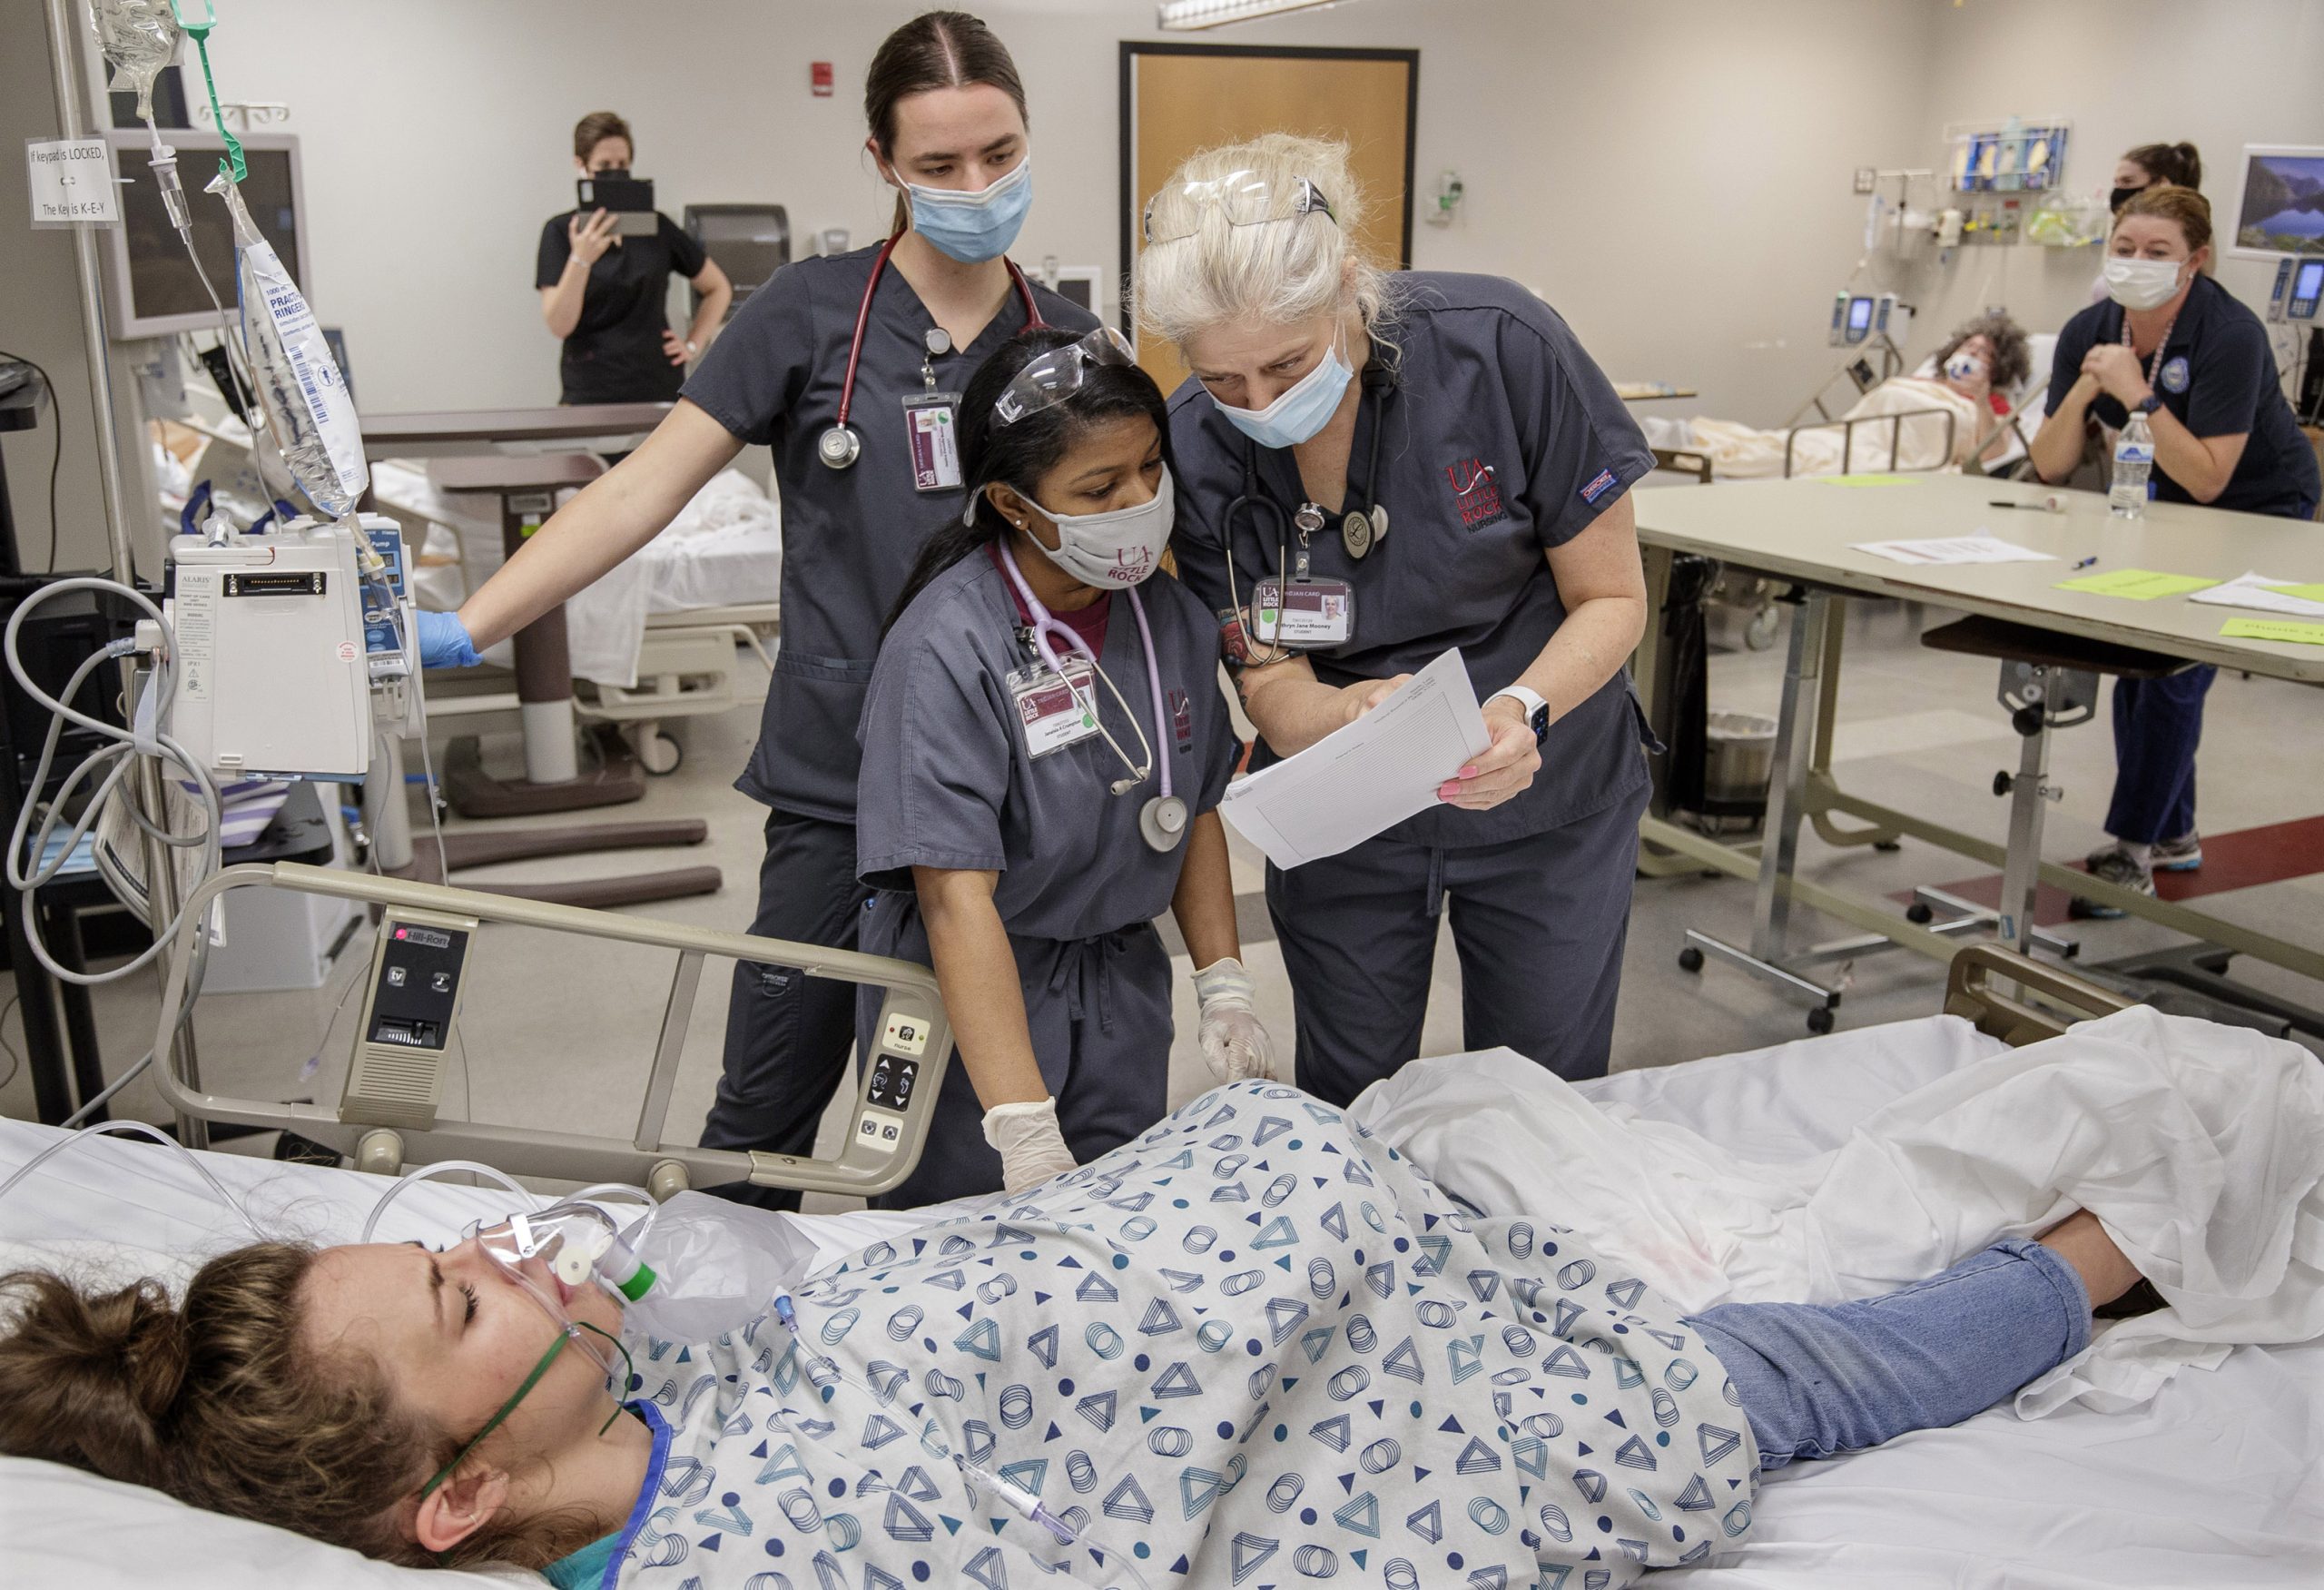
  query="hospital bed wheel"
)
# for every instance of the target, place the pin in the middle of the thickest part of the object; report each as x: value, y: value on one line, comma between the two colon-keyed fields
x: 1690, y: 958
x: 1920, y: 912
x: 1820, y: 1019
x: 660, y: 755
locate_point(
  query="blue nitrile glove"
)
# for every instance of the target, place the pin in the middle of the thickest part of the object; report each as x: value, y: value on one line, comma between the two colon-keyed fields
x: 444, y: 641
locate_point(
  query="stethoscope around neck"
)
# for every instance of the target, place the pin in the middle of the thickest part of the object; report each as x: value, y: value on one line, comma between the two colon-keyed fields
x: 1162, y: 820
x: 841, y: 445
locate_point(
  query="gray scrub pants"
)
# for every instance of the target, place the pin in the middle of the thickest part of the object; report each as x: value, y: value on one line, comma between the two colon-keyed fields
x: 1100, y: 1014
x: 788, y: 1034
x: 1539, y: 923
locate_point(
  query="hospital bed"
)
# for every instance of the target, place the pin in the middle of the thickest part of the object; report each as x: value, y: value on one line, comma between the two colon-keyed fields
x: 2210, y: 1484
x: 1875, y: 443
x: 654, y: 641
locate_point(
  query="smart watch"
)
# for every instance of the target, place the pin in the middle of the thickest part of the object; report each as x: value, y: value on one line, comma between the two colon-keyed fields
x: 1536, y: 710
x: 2148, y: 404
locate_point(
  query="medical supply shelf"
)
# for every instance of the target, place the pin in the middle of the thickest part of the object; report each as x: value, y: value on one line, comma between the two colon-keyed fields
x: 1804, y: 531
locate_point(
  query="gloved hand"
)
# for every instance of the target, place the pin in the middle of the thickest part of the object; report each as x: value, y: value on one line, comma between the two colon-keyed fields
x: 444, y: 641
x: 1234, y: 1040
x: 1032, y: 1149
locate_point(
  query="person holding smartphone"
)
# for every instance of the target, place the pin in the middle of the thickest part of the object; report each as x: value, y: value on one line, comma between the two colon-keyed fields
x: 605, y: 294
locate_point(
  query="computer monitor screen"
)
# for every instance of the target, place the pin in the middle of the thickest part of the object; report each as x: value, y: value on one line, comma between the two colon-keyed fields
x: 156, y: 290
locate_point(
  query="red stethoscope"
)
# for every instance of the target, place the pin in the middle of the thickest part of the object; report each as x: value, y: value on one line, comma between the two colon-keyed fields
x: 840, y: 446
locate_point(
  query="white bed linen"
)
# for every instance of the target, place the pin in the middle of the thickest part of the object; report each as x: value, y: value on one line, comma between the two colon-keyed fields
x: 2213, y: 1483
x: 724, y: 550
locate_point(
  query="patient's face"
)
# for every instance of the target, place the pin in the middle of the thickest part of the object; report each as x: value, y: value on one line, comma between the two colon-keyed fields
x: 455, y: 1337
x: 1969, y: 368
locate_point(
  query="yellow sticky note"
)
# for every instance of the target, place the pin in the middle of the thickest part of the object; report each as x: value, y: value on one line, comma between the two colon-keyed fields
x: 2306, y: 593
x: 2137, y: 585
x: 2291, y: 631
x: 1865, y: 480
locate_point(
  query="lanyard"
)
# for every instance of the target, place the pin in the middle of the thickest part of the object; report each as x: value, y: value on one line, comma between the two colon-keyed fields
x: 1045, y: 624
x: 863, y: 317
x: 2153, y: 365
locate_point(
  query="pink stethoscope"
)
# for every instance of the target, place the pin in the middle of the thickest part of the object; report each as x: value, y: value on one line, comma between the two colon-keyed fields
x: 1162, y: 821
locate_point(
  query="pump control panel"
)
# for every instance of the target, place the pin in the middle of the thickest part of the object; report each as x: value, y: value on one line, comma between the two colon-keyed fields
x: 397, y: 1078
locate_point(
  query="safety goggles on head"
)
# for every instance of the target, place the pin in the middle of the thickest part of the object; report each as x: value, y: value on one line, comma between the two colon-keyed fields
x: 1244, y: 198
x: 551, y: 1256
x: 1056, y: 375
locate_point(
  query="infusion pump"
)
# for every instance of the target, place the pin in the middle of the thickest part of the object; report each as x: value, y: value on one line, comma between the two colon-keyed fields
x: 294, y: 650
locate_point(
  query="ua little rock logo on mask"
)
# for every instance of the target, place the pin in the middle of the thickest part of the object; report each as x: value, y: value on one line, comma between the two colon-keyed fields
x: 1476, y: 492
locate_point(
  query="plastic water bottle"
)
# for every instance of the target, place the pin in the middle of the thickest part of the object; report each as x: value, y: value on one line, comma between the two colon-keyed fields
x: 699, y: 1267
x: 2133, y: 462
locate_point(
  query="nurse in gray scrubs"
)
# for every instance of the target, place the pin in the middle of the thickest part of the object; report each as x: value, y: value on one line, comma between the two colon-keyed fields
x: 1373, y: 468
x: 849, y: 368
x: 1043, y: 749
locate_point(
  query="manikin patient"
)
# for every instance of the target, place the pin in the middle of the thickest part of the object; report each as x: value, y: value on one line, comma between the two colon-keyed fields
x: 1257, y: 1329
x: 1984, y: 360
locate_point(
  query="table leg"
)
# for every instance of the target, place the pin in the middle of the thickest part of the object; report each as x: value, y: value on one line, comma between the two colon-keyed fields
x: 1795, y: 733
x: 2022, y: 871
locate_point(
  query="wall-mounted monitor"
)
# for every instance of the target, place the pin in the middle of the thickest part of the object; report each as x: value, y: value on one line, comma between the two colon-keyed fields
x: 153, y: 288
x: 2281, y: 209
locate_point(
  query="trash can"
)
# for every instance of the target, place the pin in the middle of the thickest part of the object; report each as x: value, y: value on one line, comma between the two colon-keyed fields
x: 1739, y: 758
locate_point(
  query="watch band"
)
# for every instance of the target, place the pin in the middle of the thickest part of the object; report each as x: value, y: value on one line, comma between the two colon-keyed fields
x: 1537, y: 709
x: 2148, y: 404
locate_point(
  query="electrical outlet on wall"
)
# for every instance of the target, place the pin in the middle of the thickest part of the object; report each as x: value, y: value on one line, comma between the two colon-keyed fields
x: 1867, y: 178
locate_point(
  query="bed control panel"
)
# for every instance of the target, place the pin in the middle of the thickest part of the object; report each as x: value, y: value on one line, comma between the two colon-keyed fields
x: 882, y: 1124
x: 410, y: 1010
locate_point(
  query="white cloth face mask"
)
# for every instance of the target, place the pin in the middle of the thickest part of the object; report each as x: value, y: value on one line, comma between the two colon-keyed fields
x: 1116, y: 548
x: 2141, y: 284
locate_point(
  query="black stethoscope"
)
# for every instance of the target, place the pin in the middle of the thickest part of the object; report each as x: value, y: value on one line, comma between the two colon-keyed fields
x: 1360, y: 531
x: 841, y: 446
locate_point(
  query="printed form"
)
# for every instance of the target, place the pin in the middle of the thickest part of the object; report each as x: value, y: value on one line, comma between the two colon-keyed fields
x: 1362, y: 780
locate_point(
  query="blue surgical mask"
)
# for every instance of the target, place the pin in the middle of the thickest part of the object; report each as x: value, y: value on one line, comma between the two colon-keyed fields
x: 974, y: 227
x: 1305, y: 408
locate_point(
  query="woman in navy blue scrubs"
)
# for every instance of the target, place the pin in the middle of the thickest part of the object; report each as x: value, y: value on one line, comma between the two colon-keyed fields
x: 1411, y: 462
x: 2173, y: 344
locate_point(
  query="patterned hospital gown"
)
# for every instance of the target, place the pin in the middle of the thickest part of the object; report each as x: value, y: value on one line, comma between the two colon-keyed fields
x: 1256, y: 1347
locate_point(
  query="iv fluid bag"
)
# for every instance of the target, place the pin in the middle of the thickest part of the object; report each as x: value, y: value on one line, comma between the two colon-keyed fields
x: 139, y: 37
x: 306, y: 397
x: 716, y: 1266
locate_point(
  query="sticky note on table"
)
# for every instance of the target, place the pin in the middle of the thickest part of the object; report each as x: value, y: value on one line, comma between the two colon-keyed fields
x: 2306, y: 593
x: 2290, y: 631
x: 1865, y: 480
x: 2137, y: 585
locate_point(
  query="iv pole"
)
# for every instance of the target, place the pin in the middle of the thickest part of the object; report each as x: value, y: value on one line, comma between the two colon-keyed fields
x: 161, y: 868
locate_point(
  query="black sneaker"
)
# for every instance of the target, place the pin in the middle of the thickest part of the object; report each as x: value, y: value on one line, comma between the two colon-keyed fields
x: 2117, y: 866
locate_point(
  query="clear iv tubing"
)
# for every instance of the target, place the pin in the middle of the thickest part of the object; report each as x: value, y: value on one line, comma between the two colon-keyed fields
x: 145, y: 1128
x: 599, y: 1192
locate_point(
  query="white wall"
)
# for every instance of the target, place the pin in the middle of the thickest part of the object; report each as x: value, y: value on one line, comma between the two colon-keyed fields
x: 1673, y: 177
x: 2220, y: 74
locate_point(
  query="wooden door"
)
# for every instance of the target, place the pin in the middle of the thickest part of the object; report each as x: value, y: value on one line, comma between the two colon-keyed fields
x: 1177, y: 99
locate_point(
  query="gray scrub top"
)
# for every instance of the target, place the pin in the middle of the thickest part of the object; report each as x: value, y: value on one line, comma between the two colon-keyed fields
x: 947, y: 782
x: 1504, y: 439
x: 849, y: 536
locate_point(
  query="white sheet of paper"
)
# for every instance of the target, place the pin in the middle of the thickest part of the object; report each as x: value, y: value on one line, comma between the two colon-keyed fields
x: 2251, y: 590
x: 1365, y: 779
x: 1982, y: 548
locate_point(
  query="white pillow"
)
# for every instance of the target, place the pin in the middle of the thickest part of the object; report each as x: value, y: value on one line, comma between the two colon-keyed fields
x: 60, y: 1526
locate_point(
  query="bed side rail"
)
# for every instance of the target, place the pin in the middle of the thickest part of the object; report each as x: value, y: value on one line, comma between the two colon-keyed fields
x: 391, y: 1115
x: 1895, y: 423
x: 2019, y: 1001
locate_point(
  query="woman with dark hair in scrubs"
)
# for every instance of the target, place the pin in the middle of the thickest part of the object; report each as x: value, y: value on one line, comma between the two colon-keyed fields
x: 1468, y: 489
x: 1044, y: 748
x: 2173, y: 344
x: 849, y: 367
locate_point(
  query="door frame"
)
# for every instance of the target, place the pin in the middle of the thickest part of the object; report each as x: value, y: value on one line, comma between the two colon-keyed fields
x: 1133, y: 48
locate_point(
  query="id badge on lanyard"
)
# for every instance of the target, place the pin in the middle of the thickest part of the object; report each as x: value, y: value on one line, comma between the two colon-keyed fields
x: 1055, y: 711
x: 1302, y: 614
x: 931, y: 432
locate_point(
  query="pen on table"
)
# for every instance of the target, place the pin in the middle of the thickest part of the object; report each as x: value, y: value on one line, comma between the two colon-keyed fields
x: 2086, y: 562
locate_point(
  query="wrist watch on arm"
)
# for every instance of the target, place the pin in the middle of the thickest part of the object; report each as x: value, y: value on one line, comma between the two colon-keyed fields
x: 2148, y: 404
x: 1535, y: 709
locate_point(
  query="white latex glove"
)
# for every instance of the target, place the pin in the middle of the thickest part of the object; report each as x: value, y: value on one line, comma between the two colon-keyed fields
x: 1233, y: 1041
x: 1032, y: 1149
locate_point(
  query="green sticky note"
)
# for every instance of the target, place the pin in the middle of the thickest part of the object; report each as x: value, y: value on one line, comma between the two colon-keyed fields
x: 2290, y: 631
x: 2306, y: 593
x: 2137, y: 585
x: 1865, y: 480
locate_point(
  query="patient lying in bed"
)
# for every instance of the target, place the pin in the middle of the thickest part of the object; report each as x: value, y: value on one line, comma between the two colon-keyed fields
x: 1258, y: 1331
x: 1947, y: 417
